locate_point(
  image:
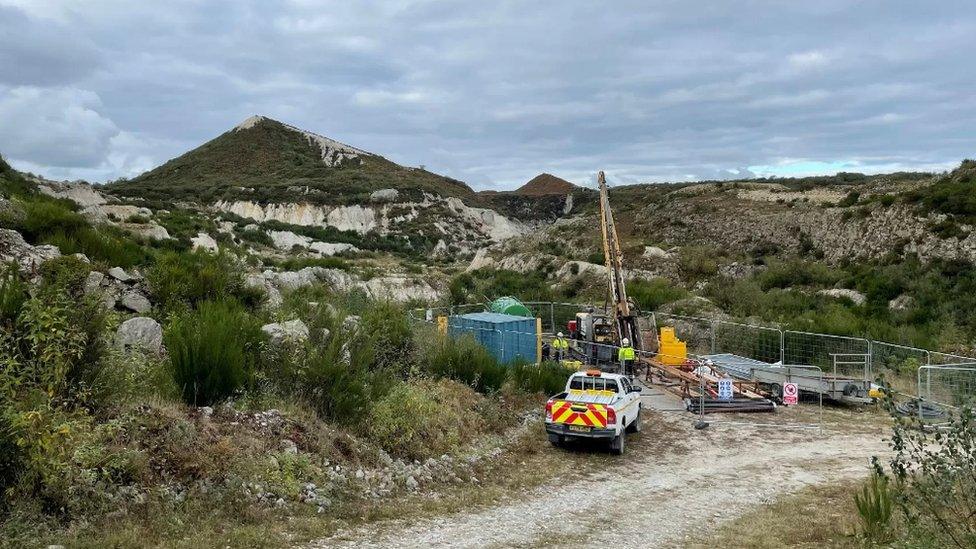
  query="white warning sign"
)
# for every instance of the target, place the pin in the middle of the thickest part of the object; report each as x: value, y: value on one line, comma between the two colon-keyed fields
x: 725, y: 389
x: 791, y: 393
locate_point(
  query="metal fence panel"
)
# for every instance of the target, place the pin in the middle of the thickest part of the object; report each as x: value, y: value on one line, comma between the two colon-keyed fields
x: 805, y: 348
x: 948, y: 385
x: 756, y: 342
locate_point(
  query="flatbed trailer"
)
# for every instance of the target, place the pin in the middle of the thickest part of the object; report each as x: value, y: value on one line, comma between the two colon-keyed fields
x: 809, y: 379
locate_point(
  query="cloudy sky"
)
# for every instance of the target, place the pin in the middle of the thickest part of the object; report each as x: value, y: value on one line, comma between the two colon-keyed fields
x: 495, y: 92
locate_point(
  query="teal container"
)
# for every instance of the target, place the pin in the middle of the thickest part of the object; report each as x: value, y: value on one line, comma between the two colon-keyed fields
x: 510, y: 306
x: 508, y: 337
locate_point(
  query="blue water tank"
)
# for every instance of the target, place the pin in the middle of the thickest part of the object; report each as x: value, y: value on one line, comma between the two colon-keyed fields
x: 508, y: 337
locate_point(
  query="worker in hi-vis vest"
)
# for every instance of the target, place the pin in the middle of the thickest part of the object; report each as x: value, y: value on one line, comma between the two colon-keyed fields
x: 626, y: 357
x: 560, y: 346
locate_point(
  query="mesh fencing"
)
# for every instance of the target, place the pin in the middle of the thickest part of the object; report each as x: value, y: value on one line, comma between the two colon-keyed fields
x: 948, y: 385
x: 839, y: 355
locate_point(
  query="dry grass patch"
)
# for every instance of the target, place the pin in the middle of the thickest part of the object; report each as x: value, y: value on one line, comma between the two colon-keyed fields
x: 815, y: 516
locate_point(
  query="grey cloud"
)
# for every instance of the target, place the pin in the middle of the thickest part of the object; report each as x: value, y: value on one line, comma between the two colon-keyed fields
x: 493, y: 93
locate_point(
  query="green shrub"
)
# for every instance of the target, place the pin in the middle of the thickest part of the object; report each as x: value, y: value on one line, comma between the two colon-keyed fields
x: 424, y: 418
x: 698, y: 261
x: 386, y: 333
x: 13, y: 294
x: 180, y: 280
x: 462, y: 359
x: 547, y: 378
x: 256, y: 236
x: 874, y: 507
x: 651, y: 294
x: 213, y: 350
x: 43, y: 217
x: 936, y: 487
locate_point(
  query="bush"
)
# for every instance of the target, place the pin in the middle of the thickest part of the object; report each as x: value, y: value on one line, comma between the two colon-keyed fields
x: 386, y: 335
x: 651, y: 294
x: 13, y: 294
x: 213, y: 351
x: 936, y: 485
x: 547, y: 378
x: 425, y: 418
x: 698, y: 261
x: 464, y: 360
x: 179, y: 280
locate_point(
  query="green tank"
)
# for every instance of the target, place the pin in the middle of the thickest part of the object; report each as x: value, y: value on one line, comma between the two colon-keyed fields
x: 510, y: 306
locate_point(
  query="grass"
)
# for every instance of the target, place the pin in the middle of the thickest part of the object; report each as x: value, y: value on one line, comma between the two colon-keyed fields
x: 812, y: 517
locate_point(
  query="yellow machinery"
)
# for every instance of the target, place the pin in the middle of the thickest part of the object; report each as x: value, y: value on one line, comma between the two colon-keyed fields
x: 672, y: 351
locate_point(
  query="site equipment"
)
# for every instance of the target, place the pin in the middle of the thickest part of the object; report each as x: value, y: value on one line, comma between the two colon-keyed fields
x: 598, y: 332
x: 624, y: 317
x: 595, y: 405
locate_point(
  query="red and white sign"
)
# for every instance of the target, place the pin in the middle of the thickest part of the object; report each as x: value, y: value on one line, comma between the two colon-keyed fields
x: 790, y: 393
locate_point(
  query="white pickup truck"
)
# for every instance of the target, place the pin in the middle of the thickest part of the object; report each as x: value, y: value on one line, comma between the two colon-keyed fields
x: 594, y: 405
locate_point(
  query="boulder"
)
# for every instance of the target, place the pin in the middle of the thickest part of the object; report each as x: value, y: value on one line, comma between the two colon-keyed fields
x: 384, y: 195
x: 118, y: 273
x: 152, y: 231
x: 13, y: 248
x: 332, y: 248
x: 901, y: 303
x: 93, y: 282
x: 272, y: 295
x: 286, y: 240
x: 140, y: 333
x: 857, y: 297
x: 203, y: 241
x: 655, y: 252
x: 291, y: 330
x: 136, y: 302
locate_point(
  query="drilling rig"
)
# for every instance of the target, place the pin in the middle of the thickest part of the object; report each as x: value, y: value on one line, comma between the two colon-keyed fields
x: 600, y: 332
x: 623, y: 313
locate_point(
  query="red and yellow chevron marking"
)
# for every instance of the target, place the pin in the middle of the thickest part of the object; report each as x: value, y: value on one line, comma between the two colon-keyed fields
x: 589, y: 415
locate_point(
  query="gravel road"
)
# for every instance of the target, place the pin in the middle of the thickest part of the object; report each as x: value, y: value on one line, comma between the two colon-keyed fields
x: 658, y: 495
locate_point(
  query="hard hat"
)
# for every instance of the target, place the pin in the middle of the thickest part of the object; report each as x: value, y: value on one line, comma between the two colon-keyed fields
x: 625, y: 341
x: 560, y: 334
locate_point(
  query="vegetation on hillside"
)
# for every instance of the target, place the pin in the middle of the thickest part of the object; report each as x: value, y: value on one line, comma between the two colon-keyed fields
x: 271, y: 162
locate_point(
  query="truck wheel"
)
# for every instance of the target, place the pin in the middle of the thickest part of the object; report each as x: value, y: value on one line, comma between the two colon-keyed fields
x: 617, y: 444
x: 635, y: 426
x: 555, y: 440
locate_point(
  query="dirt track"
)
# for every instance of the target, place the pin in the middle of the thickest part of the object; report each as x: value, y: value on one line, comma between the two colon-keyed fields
x: 673, y: 483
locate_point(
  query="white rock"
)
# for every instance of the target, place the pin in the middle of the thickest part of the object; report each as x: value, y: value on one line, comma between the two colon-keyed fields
x: 581, y: 268
x: 114, y: 212
x: 901, y: 303
x: 118, y: 273
x: 93, y: 281
x: 13, y: 248
x: 153, y: 231
x: 384, y: 195
x: 291, y: 330
x: 81, y: 193
x: 136, y: 302
x: 140, y: 332
x: 286, y: 240
x: 857, y: 297
x: 204, y: 241
x: 655, y: 252
x: 332, y: 248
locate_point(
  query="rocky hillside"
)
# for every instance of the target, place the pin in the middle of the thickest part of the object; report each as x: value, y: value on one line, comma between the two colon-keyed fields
x: 287, y: 180
x: 264, y: 160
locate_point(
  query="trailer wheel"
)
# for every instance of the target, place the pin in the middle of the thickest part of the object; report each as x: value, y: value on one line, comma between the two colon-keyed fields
x: 617, y: 444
